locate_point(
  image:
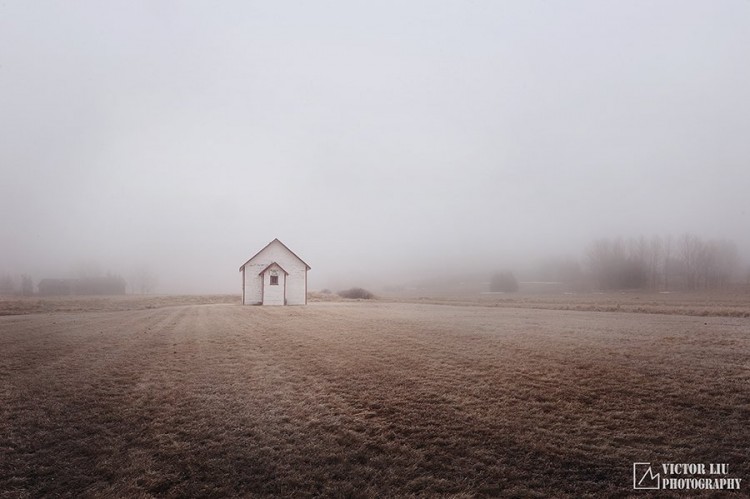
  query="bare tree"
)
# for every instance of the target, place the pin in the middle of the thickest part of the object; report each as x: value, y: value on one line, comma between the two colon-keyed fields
x: 638, y: 249
x: 640, y: 262
x: 667, y: 255
x: 600, y: 261
x: 691, y: 248
x: 708, y: 264
x: 654, y: 257
x: 719, y: 263
x: 614, y: 268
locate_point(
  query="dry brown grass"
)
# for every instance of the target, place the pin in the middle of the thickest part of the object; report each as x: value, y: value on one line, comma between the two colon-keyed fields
x: 316, y: 296
x: 13, y: 305
x: 364, y: 399
x: 701, y: 304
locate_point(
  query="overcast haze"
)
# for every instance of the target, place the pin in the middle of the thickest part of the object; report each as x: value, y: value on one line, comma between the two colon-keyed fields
x: 375, y: 139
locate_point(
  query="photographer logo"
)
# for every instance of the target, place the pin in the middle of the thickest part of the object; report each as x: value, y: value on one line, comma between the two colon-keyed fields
x: 684, y: 476
x: 644, y: 477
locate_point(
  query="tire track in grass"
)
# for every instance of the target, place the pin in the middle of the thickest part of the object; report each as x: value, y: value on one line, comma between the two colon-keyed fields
x: 423, y: 387
x: 206, y: 439
x: 344, y: 400
x: 67, y: 414
x: 346, y: 411
x: 404, y: 406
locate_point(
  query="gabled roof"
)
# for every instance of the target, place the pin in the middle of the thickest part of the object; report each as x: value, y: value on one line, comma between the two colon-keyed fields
x: 269, y: 244
x: 271, y: 265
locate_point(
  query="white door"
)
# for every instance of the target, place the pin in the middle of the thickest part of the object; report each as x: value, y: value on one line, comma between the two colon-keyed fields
x: 274, y: 287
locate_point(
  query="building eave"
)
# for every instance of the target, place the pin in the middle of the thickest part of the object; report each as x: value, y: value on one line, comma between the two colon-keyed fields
x: 271, y: 265
x: 269, y: 244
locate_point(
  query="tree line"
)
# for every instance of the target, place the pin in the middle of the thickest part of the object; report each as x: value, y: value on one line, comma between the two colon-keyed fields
x: 663, y: 263
x: 23, y: 286
x: 89, y: 281
x: 657, y: 263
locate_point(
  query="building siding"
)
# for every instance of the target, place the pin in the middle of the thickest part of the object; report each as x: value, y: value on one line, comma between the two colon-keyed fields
x: 296, y: 280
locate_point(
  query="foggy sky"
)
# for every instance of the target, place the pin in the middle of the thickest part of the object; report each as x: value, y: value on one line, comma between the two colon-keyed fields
x: 373, y: 138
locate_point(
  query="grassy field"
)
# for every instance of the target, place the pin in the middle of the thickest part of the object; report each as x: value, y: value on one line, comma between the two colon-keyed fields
x: 13, y: 305
x: 363, y: 399
x: 715, y: 304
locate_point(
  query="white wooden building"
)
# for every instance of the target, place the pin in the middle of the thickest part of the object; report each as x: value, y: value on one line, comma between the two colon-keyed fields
x: 274, y: 276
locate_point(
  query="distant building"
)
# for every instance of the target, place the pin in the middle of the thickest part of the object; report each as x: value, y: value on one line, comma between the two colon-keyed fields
x: 109, y: 285
x: 274, y: 276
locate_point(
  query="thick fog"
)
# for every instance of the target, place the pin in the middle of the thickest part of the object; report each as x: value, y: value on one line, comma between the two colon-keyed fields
x: 380, y: 141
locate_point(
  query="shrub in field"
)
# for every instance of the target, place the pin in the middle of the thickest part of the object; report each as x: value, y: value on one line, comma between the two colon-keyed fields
x: 356, y: 293
x: 504, y: 281
x: 315, y: 296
